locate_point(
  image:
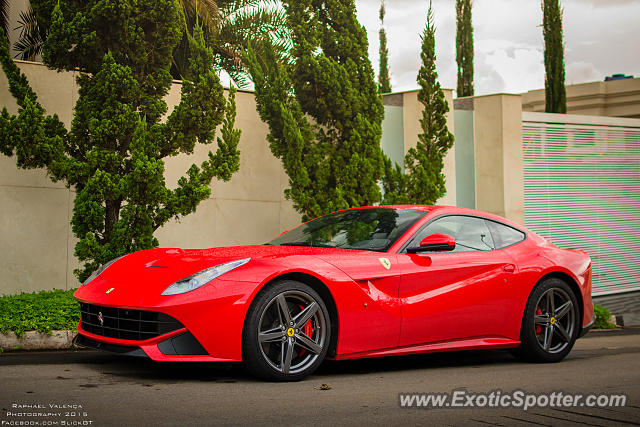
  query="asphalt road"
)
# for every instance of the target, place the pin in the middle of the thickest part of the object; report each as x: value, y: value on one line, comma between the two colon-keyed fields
x: 100, y: 389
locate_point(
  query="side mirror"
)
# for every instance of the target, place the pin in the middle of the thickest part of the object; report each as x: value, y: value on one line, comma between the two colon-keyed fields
x: 436, y: 242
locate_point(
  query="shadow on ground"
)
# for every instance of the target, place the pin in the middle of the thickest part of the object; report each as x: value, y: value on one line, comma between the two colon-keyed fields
x: 141, y: 369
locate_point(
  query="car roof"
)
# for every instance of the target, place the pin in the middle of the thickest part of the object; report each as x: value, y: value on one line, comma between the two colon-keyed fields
x: 441, y: 209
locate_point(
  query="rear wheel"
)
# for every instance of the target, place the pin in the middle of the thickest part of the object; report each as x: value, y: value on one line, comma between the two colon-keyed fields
x: 287, y: 332
x: 550, y: 323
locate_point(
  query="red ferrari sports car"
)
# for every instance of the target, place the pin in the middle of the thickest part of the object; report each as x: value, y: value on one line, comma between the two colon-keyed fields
x: 363, y: 282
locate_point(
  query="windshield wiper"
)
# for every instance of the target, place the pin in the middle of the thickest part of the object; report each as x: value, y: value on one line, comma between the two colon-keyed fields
x: 311, y: 244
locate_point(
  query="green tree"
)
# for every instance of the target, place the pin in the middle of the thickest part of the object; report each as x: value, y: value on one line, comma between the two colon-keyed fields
x: 423, y: 181
x: 228, y: 27
x: 464, y: 47
x: 555, y: 93
x: 113, y: 152
x: 323, y: 109
x: 384, y: 83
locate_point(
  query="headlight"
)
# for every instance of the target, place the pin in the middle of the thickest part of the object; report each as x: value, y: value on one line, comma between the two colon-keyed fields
x: 203, y: 277
x: 100, y: 271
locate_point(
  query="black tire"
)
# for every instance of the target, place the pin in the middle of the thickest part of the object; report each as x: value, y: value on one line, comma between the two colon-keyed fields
x: 277, y: 352
x: 550, y: 324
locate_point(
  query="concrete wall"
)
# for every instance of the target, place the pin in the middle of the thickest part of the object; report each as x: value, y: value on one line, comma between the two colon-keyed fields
x: 498, y: 155
x: 36, y: 241
x: 410, y: 124
x: 488, y: 153
x: 615, y: 98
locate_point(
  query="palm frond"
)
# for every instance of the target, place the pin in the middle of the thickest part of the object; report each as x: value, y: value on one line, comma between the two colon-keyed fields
x: 4, y: 16
x: 207, y: 12
x: 243, y: 4
x: 253, y: 24
x: 240, y: 79
x: 30, y: 40
x: 231, y: 25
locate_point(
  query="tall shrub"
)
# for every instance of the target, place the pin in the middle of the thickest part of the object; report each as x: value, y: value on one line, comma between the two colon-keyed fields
x: 323, y: 109
x: 112, y: 155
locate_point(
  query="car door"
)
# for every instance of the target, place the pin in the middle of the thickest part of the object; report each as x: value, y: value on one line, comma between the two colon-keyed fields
x: 464, y: 293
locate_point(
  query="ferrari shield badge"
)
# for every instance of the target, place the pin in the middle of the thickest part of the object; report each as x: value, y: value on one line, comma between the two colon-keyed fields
x: 385, y: 263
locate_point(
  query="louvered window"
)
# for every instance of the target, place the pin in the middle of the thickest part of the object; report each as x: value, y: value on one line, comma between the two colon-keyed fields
x: 582, y: 190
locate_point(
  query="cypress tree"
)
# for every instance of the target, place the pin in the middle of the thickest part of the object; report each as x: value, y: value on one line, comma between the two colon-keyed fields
x: 323, y: 109
x: 113, y: 153
x: 423, y: 181
x: 464, y: 47
x: 555, y: 93
x: 384, y: 83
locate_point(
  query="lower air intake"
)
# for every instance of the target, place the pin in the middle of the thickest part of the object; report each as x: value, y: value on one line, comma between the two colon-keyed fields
x: 126, y: 324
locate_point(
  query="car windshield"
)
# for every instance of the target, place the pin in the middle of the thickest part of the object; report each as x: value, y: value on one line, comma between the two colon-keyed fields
x: 371, y: 229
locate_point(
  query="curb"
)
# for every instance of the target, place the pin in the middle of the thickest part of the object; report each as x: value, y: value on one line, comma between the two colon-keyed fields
x: 33, y: 340
x: 624, y: 330
x: 63, y: 340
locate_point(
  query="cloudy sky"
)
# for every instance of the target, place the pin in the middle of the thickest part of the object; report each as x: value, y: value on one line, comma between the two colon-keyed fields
x: 602, y: 37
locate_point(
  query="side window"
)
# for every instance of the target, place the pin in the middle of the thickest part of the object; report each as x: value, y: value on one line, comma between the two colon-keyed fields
x: 471, y: 233
x: 504, y: 235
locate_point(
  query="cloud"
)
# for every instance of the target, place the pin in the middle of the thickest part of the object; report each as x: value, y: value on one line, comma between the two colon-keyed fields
x: 518, y: 69
x: 600, y: 39
x: 405, y: 21
x: 581, y: 72
x: 604, y: 3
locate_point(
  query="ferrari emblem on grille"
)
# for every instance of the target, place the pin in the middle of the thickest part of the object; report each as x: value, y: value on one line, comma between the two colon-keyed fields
x: 385, y: 263
x: 100, y: 318
x: 109, y: 291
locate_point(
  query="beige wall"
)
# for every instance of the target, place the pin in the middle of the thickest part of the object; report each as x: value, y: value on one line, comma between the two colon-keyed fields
x: 36, y: 241
x: 498, y: 155
x: 412, y: 113
x: 615, y: 98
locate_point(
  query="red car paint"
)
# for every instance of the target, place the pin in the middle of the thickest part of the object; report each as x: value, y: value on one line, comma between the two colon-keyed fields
x: 425, y: 302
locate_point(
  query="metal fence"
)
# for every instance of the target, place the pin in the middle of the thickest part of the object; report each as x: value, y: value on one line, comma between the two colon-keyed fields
x: 582, y: 190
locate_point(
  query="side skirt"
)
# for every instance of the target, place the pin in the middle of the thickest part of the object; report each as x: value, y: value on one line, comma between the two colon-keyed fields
x: 464, y: 344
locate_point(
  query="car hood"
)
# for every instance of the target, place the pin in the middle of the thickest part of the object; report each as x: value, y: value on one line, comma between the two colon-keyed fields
x: 167, y: 265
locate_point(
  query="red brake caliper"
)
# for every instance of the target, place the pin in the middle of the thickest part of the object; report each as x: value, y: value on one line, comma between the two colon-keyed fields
x: 538, y: 327
x: 308, y: 330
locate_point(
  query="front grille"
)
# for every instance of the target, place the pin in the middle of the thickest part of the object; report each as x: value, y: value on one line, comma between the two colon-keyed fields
x: 126, y: 324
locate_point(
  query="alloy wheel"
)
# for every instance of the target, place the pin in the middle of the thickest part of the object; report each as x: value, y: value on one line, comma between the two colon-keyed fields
x: 554, y: 320
x: 292, y: 332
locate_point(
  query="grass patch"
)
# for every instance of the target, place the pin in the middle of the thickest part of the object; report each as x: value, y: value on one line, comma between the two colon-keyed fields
x: 602, y: 318
x: 42, y: 311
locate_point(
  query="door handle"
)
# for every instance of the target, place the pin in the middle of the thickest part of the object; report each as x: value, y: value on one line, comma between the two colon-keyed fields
x: 509, y: 268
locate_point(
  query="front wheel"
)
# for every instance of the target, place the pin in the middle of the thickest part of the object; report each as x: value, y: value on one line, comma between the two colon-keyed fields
x: 550, y: 323
x: 287, y: 332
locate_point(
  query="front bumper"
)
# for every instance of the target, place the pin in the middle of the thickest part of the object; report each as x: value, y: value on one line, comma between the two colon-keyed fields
x: 586, y: 328
x: 214, y: 315
x: 176, y: 346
